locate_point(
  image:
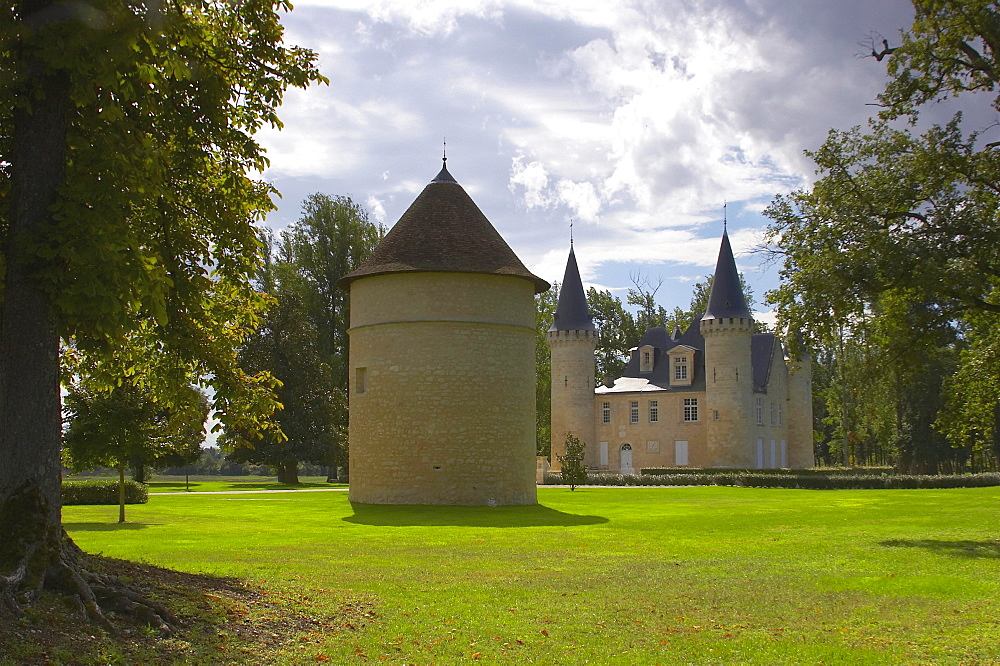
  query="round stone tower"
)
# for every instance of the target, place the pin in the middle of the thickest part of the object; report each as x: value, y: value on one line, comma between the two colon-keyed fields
x: 572, y: 340
x: 727, y: 327
x: 442, y: 339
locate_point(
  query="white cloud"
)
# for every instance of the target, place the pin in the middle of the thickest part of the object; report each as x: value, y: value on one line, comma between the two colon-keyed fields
x: 533, y: 179
x: 377, y: 209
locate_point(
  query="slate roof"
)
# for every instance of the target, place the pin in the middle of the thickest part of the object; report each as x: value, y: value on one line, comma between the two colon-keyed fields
x: 443, y: 230
x: 632, y: 381
x: 659, y: 379
x: 726, y: 299
x: 572, y: 313
x: 761, y: 355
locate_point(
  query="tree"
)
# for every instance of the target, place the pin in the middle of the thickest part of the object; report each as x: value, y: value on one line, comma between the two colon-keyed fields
x: 118, y: 426
x: 545, y: 311
x: 619, y: 333
x: 287, y: 346
x: 574, y: 472
x: 126, y: 136
x: 332, y: 238
x: 900, y: 232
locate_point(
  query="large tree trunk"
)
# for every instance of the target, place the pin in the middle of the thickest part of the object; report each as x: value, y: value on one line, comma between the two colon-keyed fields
x: 30, y: 420
x: 35, y: 552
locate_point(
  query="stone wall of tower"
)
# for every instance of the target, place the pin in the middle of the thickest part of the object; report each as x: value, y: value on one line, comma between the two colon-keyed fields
x: 573, y: 371
x: 729, y: 391
x: 442, y: 389
x: 801, y: 453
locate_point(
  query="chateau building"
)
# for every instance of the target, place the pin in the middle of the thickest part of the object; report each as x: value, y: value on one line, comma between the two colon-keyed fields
x: 442, y: 360
x: 715, y: 395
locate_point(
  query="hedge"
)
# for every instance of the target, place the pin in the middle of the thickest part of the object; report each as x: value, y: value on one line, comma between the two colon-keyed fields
x: 815, y: 471
x: 810, y: 479
x: 103, y: 492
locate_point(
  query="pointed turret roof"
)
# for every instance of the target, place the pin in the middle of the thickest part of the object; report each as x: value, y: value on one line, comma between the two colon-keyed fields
x: 572, y: 313
x: 443, y: 230
x: 726, y: 299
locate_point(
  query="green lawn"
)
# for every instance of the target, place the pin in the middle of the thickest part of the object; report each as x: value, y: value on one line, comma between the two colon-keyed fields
x: 174, y: 484
x: 609, y: 575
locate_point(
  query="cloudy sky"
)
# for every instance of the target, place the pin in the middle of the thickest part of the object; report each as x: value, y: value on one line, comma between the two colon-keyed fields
x: 636, y: 120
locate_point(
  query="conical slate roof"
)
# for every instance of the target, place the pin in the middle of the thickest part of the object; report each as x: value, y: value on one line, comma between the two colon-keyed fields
x: 572, y: 313
x: 726, y: 299
x: 444, y: 231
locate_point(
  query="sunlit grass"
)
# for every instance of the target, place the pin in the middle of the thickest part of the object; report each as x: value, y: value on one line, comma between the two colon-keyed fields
x: 621, y: 575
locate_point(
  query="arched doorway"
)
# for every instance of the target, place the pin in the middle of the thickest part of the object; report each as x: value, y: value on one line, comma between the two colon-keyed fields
x: 626, y: 458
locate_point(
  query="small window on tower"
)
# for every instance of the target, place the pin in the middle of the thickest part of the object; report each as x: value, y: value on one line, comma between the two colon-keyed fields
x: 360, y: 380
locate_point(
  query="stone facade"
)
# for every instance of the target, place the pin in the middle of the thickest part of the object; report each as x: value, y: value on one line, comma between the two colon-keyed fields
x: 572, y: 388
x: 442, y: 389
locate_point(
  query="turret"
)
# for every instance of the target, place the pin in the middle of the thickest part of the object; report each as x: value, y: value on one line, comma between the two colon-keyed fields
x: 728, y: 328
x: 800, y: 414
x: 572, y: 339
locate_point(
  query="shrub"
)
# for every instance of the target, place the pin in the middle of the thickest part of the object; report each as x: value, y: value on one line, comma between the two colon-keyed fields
x: 783, y: 478
x: 102, y: 492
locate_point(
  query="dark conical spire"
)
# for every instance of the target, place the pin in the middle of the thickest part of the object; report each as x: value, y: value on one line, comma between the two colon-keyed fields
x: 572, y: 313
x: 726, y: 299
x: 443, y: 175
x: 677, y: 333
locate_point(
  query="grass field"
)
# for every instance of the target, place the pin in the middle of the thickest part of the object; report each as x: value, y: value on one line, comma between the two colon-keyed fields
x: 600, y: 575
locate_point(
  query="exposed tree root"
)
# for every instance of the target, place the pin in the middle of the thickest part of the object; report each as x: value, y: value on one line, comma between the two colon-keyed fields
x: 35, y: 555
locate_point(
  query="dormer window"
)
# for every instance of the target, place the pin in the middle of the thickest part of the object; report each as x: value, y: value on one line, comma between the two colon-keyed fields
x: 681, y: 360
x: 646, y: 358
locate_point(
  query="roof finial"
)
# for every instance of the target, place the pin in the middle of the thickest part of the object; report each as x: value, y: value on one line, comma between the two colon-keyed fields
x: 444, y: 152
x: 571, y: 232
x: 724, y: 220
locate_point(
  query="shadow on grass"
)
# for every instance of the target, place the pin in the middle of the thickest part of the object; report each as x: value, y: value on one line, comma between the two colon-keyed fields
x: 961, y: 548
x: 164, y: 484
x: 423, y: 515
x: 103, y: 527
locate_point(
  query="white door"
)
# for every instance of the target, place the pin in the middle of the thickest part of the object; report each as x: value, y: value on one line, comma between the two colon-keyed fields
x: 760, y: 454
x: 681, y: 452
x: 626, y: 455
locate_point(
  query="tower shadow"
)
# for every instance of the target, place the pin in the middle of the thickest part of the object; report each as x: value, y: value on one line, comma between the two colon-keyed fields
x: 953, y: 547
x: 428, y: 515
